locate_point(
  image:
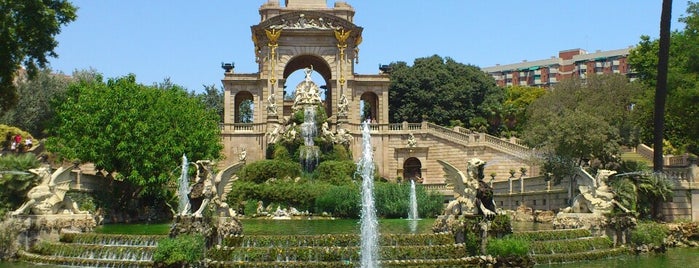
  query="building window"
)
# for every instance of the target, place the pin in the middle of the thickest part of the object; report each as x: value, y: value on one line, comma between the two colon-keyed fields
x: 534, y: 202
x: 543, y: 202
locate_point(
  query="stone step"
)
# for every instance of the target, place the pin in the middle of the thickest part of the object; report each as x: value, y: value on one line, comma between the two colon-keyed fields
x: 543, y: 259
x: 80, y: 262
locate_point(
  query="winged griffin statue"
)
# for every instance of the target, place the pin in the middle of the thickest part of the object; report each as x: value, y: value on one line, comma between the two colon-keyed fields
x: 211, y: 190
x: 49, y: 197
x: 473, y: 196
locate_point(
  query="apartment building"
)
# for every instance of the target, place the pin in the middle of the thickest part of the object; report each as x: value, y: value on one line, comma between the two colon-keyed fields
x: 569, y: 63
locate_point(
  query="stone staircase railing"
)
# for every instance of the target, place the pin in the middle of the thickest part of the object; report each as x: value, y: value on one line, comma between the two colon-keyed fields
x: 458, y: 135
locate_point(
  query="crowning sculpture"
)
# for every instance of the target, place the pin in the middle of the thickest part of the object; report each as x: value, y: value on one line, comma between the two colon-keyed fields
x: 49, y: 197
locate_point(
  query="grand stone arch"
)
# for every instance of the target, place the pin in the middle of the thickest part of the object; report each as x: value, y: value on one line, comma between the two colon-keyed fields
x: 301, y: 34
x: 305, y: 33
x: 320, y: 66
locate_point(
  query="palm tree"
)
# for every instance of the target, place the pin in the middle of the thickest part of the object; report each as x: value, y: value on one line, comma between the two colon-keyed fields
x: 661, y: 86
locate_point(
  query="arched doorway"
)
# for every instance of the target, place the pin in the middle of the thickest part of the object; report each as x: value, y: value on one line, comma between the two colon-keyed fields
x: 412, y: 169
x: 368, y: 107
x: 321, y: 67
x: 244, y: 108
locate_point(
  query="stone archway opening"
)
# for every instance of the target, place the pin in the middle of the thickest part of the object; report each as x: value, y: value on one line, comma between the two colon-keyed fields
x: 412, y: 169
x: 292, y: 77
x: 368, y: 107
x: 244, y: 108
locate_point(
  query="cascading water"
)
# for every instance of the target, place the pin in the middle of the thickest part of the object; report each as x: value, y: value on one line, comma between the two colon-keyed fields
x: 412, y: 214
x: 183, y: 188
x: 309, y: 152
x: 369, y: 224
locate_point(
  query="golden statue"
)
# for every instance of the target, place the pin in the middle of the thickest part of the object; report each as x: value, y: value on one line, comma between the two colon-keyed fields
x: 342, y: 36
x: 273, y: 35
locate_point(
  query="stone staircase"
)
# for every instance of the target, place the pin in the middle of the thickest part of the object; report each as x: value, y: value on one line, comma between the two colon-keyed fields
x: 570, y: 245
x: 95, y: 250
x: 634, y: 156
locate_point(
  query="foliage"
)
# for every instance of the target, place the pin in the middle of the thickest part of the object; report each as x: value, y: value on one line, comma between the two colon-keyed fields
x: 569, y: 138
x: 335, y: 172
x: 500, y: 226
x: 8, y: 132
x: 652, y: 189
x: 138, y: 131
x: 85, y: 200
x: 15, y: 182
x: 563, y: 246
x: 263, y: 170
x: 649, y: 233
x: 582, y: 119
x: 508, y: 117
x: 681, y: 119
x: 179, y: 251
x: 553, y: 234
x: 341, y: 201
x: 285, y: 193
x: 508, y: 246
x: 392, y: 200
x: 625, y: 192
x: 212, y: 98
x: 27, y: 33
x: 281, y: 153
x: 33, y: 110
x: 9, y: 230
x: 440, y: 90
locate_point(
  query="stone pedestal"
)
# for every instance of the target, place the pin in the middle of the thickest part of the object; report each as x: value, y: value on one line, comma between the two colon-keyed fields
x: 214, y: 235
x: 49, y: 227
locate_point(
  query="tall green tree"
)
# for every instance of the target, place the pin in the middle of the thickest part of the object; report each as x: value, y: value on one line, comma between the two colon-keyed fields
x: 140, y: 132
x: 440, y: 90
x: 661, y: 86
x: 510, y: 116
x: 582, y: 119
x: 212, y: 97
x: 33, y: 111
x: 27, y: 31
x: 681, y: 125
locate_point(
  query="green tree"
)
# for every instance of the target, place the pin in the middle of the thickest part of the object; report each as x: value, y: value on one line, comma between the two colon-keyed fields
x: 581, y: 120
x: 440, y: 90
x: 681, y: 128
x: 212, y: 97
x: 138, y: 131
x: 15, y: 182
x: 246, y: 111
x: 33, y: 110
x: 508, y: 117
x: 27, y: 31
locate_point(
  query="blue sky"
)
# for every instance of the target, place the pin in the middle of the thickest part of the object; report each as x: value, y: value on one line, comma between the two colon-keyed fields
x: 187, y: 40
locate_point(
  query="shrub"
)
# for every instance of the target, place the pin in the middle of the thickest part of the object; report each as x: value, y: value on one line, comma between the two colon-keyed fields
x: 340, y: 200
x: 301, y: 195
x: 9, y: 229
x: 263, y: 170
x: 508, y: 246
x: 281, y: 153
x: 14, y: 186
x: 180, y: 251
x: 335, y: 172
x: 392, y: 200
x: 649, y: 233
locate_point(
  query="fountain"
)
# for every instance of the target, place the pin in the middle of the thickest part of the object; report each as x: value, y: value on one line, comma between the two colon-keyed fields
x: 183, y: 188
x: 369, y: 224
x: 309, y: 152
x: 412, y: 213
